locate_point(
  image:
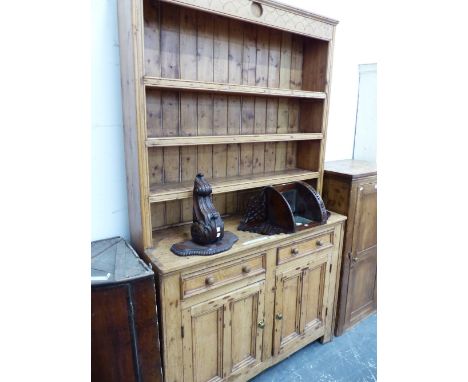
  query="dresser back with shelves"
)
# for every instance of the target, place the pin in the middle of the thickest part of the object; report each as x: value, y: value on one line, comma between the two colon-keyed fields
x: 236, y: 90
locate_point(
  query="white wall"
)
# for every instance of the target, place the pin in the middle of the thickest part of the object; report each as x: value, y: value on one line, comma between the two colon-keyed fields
x: 109, y: 216
x: 365, y: 139
x: 356, y: 43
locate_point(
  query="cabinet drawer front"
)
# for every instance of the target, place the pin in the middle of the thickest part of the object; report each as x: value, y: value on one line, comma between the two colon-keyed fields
x: 305, y: 247
x: 199, y: 282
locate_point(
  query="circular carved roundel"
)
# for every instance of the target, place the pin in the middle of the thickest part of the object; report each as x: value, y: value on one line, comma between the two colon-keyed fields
x: 256, y: 9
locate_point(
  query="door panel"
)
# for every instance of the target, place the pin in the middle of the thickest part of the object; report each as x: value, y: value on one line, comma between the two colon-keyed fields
x: 291, y: 306
x: 300, y: 300
x: 315, y: 286
x: 223, y: 335
x: 287, y: 308
x: 361, y: 298
x: 203, y: 337
x: 361, y: 290
x: 246, y: 335
x: 206, y: 336
x: 365, y: 226
x: 243, y: 322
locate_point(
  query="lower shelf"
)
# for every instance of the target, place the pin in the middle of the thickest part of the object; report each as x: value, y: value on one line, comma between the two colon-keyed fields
x: 174, y: 191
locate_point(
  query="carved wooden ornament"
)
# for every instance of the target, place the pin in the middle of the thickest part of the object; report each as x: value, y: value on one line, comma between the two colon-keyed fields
x: 285, y: 208
x: 207, y: 230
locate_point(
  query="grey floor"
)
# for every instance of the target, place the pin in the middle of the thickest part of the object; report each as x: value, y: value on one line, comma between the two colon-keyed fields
x: 351, y: 357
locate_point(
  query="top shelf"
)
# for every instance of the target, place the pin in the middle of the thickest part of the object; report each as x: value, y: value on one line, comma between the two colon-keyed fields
x: 176, y: 84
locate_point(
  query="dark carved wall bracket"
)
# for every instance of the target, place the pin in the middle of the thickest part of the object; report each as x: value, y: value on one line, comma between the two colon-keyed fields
x: 285, y: 208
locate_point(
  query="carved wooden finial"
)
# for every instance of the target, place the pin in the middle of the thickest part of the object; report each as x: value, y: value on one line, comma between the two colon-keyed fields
x: 207, y: 226
x: 207, y: 229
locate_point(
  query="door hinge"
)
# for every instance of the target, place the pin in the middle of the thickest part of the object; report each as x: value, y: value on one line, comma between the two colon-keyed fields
x: 326, y: 311
x: 331, y: 267
x: 182, y: 331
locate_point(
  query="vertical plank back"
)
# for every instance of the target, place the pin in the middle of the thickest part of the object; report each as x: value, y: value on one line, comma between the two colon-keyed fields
x: 184, y: 43
x: 152, y: 39
x: 220, y: 103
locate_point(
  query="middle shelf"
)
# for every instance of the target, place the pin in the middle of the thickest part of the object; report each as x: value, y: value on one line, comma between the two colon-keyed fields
x: 228, y: 139
x: 180, y: 190
x: 206, y: 86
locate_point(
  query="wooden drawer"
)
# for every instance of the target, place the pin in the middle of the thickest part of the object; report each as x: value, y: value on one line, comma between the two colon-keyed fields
x: 207, y: 279
x: 304, y: 247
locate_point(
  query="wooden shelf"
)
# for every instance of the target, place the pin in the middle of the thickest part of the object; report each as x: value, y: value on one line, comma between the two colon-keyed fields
x: 176, y: 84
x: 230, y: 139
x: 173, y: 191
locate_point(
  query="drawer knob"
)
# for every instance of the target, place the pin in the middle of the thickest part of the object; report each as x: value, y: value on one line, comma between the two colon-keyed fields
x: 261, y: 324
x: 319, y: 243
x: 355, y: 259
x: 246, y: 269
x: 210, y: 280
x: 295, y: 251
x: 279, y: 316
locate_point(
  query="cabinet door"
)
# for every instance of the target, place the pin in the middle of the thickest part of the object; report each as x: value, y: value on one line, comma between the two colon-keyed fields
x: 363, y: 264
x: 300, y: 300
x: 223, y: 335
x: 314, y: 296
x: 362, y: 296
x: 287, y: 308
x: 245, y: 314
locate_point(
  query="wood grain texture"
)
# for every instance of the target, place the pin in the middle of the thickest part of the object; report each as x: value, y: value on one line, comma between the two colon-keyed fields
x: 205, y: 127
x: 351, y: 168
x: 355, y: 196
x: 248, y: 122
x: 329, y: 60
x: 124, y: 332
x: 173, y: 191
x: 158, y: 215
x: 190, y: 140
x: 153, y: 113
x: 188, y: 154
x: 315, y: 56
x: 214, y: 90
x: 131, y: 38
x: 171, y: 322
x: 188, y: 44
x: 152, y: 37
x: 111, y: 336
x: 205, y: 25
x: 259, y: 128
x: 167, y: 262
x: 276, y: 15
x: 171, y: 155
x: 184, y: 48
x: 210, y: 316
x: 170, y: 37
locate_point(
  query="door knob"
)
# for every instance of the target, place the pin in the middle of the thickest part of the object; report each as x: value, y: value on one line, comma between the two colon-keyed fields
x: 279, y: 316
x: 261, y: 324
x: 210, y: 280
x: 246, y: 269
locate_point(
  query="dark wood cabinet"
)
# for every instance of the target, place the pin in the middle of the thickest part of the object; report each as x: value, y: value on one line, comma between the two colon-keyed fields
x: 124, y: 326
x: 350, y: 188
